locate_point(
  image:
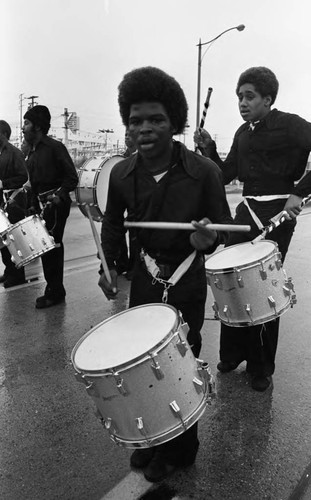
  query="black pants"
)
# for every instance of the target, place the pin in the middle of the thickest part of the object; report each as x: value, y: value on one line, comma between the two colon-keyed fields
x: 256, y: 344
x: 10, y: 270
x: 53, y: 261
x: 188, y: 297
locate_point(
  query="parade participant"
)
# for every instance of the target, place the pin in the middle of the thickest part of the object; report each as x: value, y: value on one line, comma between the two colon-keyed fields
x: 163, y: 181
x: 268, y: 155
x: 13, y: 174
x: 52, y: 176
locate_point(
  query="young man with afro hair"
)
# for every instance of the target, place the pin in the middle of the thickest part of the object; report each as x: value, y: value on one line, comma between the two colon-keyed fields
x: 269, y: 155
x: 163, y: 181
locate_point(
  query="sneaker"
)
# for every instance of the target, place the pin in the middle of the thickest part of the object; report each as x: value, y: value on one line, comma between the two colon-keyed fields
x: 13, y: 281
x: 141, y: 457
x: 43, y: 302
x: 227, y: 366
x: 158, y: 469
x: 260, y: 383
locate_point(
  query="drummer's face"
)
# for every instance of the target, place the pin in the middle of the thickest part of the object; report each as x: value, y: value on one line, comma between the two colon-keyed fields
x: 252, y: 105
x: 29, y: 131
x: 150, y: 129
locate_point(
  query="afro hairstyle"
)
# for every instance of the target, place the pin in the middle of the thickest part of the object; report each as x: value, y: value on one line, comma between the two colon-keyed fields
x: 263, y: 79
x: 149, y: 84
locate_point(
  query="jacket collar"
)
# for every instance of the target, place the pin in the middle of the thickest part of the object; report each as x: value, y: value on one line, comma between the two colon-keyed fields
x: 186, y: 157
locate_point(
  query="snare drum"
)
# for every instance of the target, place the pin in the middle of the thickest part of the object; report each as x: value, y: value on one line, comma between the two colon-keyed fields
x: 4, y: 226
x: 93, y: 182
x: 249, y: 283
x: 27, y: 240
x: 142, y: 375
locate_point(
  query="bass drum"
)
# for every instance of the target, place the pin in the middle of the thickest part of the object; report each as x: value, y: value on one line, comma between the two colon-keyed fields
x: 93, y: 182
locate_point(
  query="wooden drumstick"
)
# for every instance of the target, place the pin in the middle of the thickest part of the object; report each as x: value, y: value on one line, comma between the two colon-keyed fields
x: 98, y: 244
x: 187, y: 226
x: 206, y: 105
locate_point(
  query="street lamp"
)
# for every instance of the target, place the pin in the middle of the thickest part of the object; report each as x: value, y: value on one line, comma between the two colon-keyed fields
x: 240, y: 27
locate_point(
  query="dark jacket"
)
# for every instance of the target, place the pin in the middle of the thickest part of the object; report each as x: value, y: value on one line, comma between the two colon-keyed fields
x: 50, y: 167
x: 269, y: 159
x: 13, y: 173
x: 192, y: 189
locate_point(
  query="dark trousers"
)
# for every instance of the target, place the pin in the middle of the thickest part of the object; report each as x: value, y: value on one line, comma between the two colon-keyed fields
x: 10, y: 270
x: 187, y: 296
x: 53, y: 261
x: 256, y: 344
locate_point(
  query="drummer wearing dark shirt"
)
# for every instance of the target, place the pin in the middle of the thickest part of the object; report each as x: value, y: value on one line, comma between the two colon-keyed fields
x: 269, y: 154
x: 163, y: 181
x: 52, y: 176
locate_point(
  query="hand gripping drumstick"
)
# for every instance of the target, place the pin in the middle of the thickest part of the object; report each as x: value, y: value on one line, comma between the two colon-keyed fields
x: 276, y: 221
x: 98, y: 244
x: 187, y: 226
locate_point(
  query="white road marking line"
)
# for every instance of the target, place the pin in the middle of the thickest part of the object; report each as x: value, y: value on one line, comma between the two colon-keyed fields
x: 130, y: 488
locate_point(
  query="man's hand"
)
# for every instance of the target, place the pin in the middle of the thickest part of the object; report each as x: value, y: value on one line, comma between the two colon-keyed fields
x: 203, y: 139
x: 293, y: 207
x: 203, y: 238
x: 109, y: 289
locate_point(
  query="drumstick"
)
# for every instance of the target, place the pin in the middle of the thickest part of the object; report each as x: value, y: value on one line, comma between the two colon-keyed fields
x: 206, y: 105
x: 98, y: 244
x: 187, y: 226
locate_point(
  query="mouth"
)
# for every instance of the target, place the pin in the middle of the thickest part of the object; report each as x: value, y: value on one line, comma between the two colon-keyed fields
x: 146, y: 145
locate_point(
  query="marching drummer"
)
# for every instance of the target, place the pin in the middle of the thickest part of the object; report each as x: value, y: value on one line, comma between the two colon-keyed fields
x: 13, y: 175
x: 164, y: 181
x: 269, y: 154
x: 52, y: 176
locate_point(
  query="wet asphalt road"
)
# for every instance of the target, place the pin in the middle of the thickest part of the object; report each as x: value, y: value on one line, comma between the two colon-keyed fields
x: 254, y: 446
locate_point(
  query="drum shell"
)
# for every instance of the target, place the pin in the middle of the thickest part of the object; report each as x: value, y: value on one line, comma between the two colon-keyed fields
x: 28, y: 239
x: 148, y: 394
x: 249, y: 287
x: 93, y: 183
x: 4, y: 226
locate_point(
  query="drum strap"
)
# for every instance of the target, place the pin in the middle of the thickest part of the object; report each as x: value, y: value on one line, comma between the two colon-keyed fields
x: 254, y: 216
x: 154, y: 270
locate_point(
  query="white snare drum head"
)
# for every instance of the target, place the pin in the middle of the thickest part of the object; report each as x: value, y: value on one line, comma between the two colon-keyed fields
x: 103, y: 180
x: 239, y: 255
x: 124, y: 337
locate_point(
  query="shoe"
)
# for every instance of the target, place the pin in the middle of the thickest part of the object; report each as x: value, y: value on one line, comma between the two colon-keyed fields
x: 43, y: 302
x: 260, y: 383
x: 12, y: 281
x: 141, y: 457
x: 227, y: 366
x: 158, y: 469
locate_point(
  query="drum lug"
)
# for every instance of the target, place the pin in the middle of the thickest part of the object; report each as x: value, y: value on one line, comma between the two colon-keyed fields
x: 289, y: 284
x: 19, y: 253
x: 226, y: 312
x: 81, y: 378
x: 248, y: 309
x: 239, y: 278
x: 218, y: 283
x: 120, y: 385
x: 198, y: 384
x: 272, y: 302
x: 205, y: 371
x: 31, y: 247
x: 216, y: 310
x: 156, y: 368
x: 140, y: 427
x: 293, y: 300
x: 11, y: 237
x: 91, y: 390
x: 182, y: 345
x: 263, y: 273
x: 23, y: 231
x: 278, y: 262
x: 177, y: 412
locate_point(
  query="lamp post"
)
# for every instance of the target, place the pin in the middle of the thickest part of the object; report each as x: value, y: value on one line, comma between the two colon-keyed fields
x: 240, y: 27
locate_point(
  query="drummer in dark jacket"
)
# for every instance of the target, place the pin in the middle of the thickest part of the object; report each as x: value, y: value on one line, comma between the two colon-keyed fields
x: 13, y: 175
x: 163, y: 181
x: 52, y: 176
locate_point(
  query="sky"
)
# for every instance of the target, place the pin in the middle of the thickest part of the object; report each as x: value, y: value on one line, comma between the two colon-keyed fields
x: 74, y: 53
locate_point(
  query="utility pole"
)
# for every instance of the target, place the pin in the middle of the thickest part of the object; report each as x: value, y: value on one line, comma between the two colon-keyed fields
x: 32, y: 99
x: 66, y: 115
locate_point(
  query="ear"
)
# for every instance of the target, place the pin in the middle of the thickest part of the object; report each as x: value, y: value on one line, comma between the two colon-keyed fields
x: 267, y: 101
